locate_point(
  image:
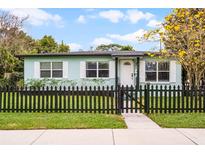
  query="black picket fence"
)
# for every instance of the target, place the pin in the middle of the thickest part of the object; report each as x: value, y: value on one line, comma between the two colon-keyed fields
x: 161, y: 99
x: 58, y: 99
x: 142, y: 99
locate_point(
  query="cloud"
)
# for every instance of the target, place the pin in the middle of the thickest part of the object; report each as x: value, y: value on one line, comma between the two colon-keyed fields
x: 135, y: 15
x: 154, y: 23
x: 112, y: 15
x: 75, y: 46
x: 130, y: 37
x: 37, y: 17
x: 81, y: 19
x: 101, y: 40
x: 132, y: 15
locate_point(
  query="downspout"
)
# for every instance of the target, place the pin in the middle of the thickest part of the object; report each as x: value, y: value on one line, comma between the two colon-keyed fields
x: 116, y: 72
x: 138, y: 73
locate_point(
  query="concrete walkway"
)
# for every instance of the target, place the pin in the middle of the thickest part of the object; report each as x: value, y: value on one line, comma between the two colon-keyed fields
x: 139, y: 121
x: 141, y: 131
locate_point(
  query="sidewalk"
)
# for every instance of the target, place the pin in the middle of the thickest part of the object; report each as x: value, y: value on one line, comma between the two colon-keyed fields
x: 141, y: 130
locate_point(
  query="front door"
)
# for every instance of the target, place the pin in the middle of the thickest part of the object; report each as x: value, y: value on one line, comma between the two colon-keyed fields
x: 126, y: 72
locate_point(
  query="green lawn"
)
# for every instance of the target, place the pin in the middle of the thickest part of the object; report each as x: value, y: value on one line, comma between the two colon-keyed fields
x: 179, y: 120
x: 13, y: 121
x: 170, y: 103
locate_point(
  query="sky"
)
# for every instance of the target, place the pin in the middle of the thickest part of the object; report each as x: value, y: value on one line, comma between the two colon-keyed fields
x: 83, y: 29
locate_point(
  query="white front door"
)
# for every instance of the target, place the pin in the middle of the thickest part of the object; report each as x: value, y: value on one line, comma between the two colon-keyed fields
x: 126, y: 72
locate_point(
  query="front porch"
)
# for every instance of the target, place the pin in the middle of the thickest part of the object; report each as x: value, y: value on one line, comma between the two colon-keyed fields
x: 127, y: 71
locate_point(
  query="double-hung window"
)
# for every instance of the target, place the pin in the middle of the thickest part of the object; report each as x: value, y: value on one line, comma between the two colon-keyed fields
x: 97, y: 69
x: 51, y: 69
x: 163, y: 71
x: 157, y: 71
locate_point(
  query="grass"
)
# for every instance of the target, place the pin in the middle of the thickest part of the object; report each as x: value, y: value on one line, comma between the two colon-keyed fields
x: 165, y: 103
x: 179, y: 120
x: 16, y: 121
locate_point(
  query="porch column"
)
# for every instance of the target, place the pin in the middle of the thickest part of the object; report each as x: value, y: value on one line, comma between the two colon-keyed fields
x: 138, y: 73
x: 116, y: 72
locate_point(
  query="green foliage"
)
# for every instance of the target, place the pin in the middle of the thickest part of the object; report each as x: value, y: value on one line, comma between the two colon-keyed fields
x: 48, y: 44
x: 4, y: 82
x: 15, y: 41
x: 92, y: 82
x: 7, y: 60
x: 63, y: 82
x: 50, y: 82
x: 63, y: 47
x: 15, y: 77
x: 98, y: 82
x: 12, y: 81
x: 36, y: 83
x: 69, y: 82
x: 114, y: 47
x: 19, y: 66
x: 20, y: 83
x: 127, y: 48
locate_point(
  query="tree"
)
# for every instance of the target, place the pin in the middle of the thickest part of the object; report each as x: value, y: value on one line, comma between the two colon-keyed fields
x: 11, y: 36
x: 10, y: 27
x: 127, y: 48
x: 63, y: 47
x: 183, y: 36
x: 114, y: 47
x: 47, y: 43
x: 13, y: 40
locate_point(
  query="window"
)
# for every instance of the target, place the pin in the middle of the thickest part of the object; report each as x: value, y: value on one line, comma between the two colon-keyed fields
x: 157, y: 71
x: 91, y: 69
x: 97, y: 69
x: 51, y: 69
x: 103, y: 69
x: 151, y: 71
x: 163, y: 71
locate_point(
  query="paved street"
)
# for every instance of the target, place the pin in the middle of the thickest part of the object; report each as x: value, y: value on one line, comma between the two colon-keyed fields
x: 141, y: 131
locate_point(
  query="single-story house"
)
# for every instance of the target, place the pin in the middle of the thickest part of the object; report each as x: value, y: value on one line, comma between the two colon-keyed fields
x: 102, y: 67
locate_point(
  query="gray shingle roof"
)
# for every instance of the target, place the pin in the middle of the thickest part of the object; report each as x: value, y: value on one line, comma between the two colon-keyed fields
x: 90, y: 53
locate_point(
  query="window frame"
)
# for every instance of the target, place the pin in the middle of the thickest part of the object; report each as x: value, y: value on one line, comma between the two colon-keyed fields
x: 51, y: 69
x: 97, y: 69
x: 157, y: 72
x: 161, y: 71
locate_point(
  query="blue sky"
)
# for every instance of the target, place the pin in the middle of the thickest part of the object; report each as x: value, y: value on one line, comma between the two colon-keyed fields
x: 83, y: 28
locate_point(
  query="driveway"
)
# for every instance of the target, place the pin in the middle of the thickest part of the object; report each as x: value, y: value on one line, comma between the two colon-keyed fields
x: 141, y: 131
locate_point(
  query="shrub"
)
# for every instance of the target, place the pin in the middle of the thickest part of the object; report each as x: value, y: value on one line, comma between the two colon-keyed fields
x: 4, y: 82
x: 36, y: 83
x: 20, y: 83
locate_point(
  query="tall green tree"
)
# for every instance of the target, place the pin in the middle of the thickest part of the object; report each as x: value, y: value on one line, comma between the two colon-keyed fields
x: 114, y: 47
x: 47, y: 43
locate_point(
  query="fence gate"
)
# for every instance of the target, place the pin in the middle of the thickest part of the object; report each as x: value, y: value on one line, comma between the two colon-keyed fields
x: 131, y: 99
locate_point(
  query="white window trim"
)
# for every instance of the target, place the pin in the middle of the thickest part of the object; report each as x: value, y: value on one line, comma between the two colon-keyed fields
x: 51, y: 69
x: 157, y: 73
x: 97, y: 69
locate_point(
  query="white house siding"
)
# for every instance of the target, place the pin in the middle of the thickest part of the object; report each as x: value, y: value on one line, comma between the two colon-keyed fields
x: 72, y: 68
